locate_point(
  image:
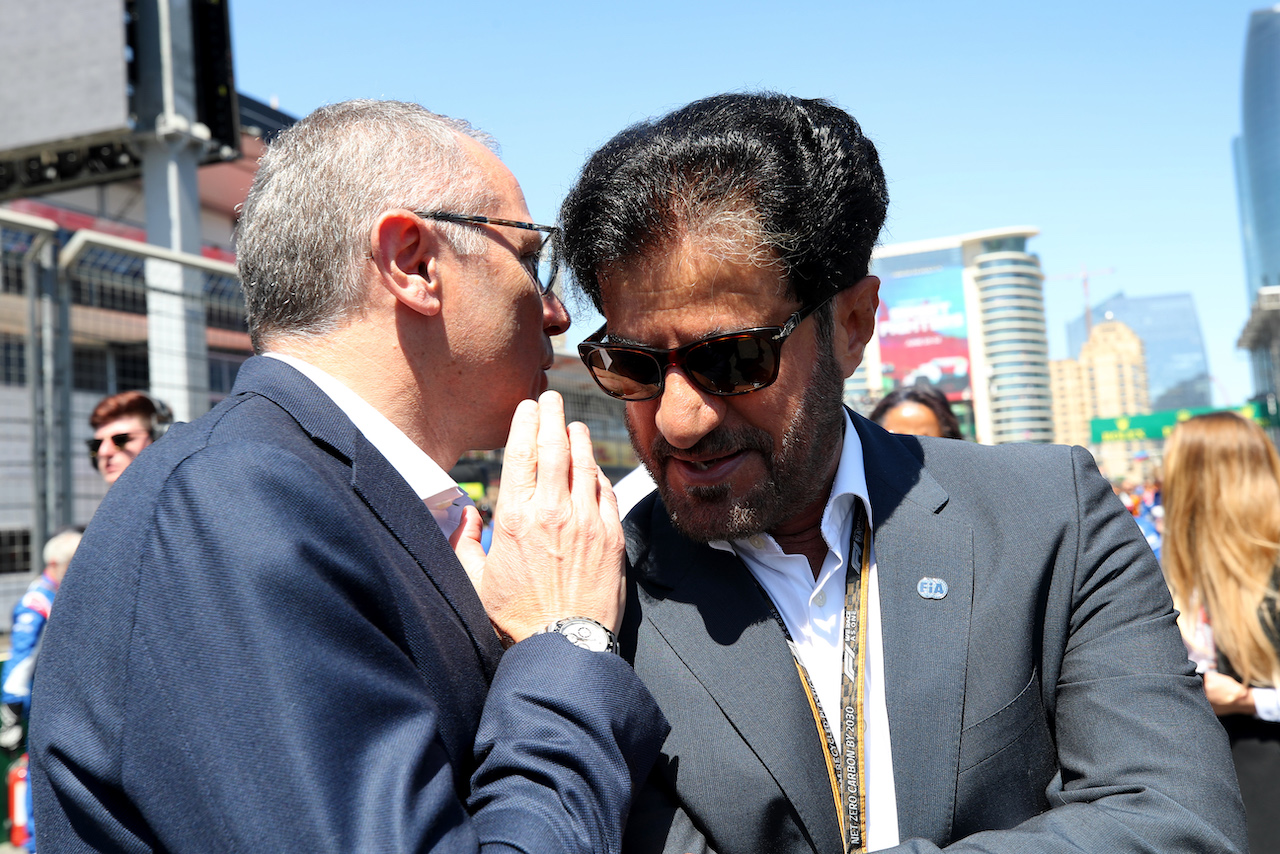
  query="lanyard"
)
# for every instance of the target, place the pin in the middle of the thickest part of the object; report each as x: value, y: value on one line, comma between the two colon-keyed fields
x: 853, y: 780
x: 846, y: 768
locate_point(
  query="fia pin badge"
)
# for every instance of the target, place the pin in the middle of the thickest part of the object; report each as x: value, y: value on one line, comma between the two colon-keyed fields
x: 931, y: 588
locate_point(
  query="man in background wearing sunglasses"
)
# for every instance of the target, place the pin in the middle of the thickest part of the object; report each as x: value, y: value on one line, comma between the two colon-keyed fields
x: 124, y: 425
x: 268, y: 641
x: 863, y: 641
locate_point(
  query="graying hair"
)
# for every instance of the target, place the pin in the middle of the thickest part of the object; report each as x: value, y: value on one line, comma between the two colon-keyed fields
x: 303, y: 236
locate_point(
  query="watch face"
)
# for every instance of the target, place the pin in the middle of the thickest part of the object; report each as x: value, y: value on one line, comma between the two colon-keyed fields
x: 586, y: 634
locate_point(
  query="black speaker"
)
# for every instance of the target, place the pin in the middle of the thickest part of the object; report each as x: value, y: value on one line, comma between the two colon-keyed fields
x: 216, y: 104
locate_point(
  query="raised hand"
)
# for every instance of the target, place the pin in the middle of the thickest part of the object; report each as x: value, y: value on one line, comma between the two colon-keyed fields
x: 557, y: 547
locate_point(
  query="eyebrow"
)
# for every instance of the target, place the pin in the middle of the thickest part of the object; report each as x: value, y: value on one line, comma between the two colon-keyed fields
x: 719, y: 330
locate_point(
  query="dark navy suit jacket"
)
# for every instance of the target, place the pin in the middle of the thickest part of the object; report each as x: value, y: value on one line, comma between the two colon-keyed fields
x: 266, y: 644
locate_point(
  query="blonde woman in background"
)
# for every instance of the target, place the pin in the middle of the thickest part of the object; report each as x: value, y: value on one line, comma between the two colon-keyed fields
x: 1221, y: 544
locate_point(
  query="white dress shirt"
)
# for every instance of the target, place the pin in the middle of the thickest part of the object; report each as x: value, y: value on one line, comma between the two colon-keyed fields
x: 431, y: 483
x: 813, y: 612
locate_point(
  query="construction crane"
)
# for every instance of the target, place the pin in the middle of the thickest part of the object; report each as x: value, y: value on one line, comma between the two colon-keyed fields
x: 1083, y: 276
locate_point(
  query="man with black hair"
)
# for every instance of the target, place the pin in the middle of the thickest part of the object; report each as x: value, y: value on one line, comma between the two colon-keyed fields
x: 863, y: 641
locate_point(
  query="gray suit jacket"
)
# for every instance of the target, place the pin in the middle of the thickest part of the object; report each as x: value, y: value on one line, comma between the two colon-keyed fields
x: 1045, y: 704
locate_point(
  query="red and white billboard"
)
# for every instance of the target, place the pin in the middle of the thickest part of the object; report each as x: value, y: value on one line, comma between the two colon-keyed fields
x: 923, y: 330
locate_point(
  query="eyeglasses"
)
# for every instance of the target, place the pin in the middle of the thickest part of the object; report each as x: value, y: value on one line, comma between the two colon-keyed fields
x: 117, y: 439
x: 543, y: 265
x: 724, y: 365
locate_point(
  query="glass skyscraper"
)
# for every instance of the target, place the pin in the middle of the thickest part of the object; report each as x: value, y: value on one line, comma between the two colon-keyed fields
x: 1177, y: 370
x: 1257, y: 161
x: 1257, y: 151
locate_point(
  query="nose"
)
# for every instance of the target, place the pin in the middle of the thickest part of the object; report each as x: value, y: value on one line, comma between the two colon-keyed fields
x: 685, y: 412
x: 555, y: 317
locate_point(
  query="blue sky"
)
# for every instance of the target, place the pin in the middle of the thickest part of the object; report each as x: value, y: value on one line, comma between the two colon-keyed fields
x: 1108, y: 125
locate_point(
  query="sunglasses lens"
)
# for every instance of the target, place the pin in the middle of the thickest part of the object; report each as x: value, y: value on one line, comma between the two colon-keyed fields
x: 119, y: 440
x: 627, y: 374
x: 733, y: 364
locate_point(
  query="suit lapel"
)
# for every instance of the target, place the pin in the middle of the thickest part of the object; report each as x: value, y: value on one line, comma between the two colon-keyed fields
x: 404, y: 514
x: 925, y: 639
x: 708, y: 609
x: 383, y: 490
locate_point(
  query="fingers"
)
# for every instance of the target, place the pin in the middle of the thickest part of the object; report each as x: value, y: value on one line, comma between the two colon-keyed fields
x: 543, y: 461
x: 608, y: 499
x: 585, y: 474
x: 469, y: 527
x: 520, y: 457
x: 553, y: 468
x: 466, y: 545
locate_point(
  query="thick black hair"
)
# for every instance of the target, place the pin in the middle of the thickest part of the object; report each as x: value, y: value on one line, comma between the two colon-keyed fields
x: 927, y: 396
x: 804, y: 171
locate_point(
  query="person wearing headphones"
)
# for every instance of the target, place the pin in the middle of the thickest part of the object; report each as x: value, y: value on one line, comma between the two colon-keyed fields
x: 123, y: 425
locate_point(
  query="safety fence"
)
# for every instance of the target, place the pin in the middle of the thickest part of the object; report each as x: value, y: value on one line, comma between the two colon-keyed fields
x: 85, y: 314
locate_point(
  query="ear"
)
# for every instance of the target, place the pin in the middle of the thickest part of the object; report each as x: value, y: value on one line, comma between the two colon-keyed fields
x: 406, y: 251
x: 854, y: 322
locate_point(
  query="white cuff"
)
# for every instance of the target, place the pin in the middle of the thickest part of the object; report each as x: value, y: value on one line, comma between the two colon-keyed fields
x: 1266, y: 703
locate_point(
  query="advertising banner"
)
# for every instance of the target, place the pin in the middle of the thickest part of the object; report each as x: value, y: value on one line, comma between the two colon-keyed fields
x: 923, y: 331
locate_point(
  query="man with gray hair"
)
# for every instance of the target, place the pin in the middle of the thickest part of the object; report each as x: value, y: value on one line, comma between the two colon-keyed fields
x: 270, y: 641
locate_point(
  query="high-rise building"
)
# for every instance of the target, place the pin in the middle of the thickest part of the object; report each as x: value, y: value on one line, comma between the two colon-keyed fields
x: 1108, y: 380
x: 1257, y: 151
x: 1257, y: 160
x: 1177, y: 369
x: 1070, y: 402
x: 965, y: 313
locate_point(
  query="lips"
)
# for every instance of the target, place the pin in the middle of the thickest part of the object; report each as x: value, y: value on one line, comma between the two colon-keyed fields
x: 706, y: 465
x: 714, y: 458
x: 706, y: 471
x: 548, y: 361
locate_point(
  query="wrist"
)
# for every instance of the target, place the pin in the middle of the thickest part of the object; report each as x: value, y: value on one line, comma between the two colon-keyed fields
x: 504, y: 637
x: 1246, y: 703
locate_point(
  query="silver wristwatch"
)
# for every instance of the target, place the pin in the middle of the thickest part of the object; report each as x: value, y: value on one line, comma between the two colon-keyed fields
x: 586, y: 633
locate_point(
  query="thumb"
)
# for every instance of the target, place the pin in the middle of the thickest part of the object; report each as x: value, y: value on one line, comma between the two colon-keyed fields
x: 466, y: 544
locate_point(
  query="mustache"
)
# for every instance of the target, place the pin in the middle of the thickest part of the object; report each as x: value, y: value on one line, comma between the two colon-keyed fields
x: 720, y: 442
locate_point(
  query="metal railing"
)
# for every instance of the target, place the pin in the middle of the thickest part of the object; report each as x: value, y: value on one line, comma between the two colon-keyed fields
x: 86, y: 314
